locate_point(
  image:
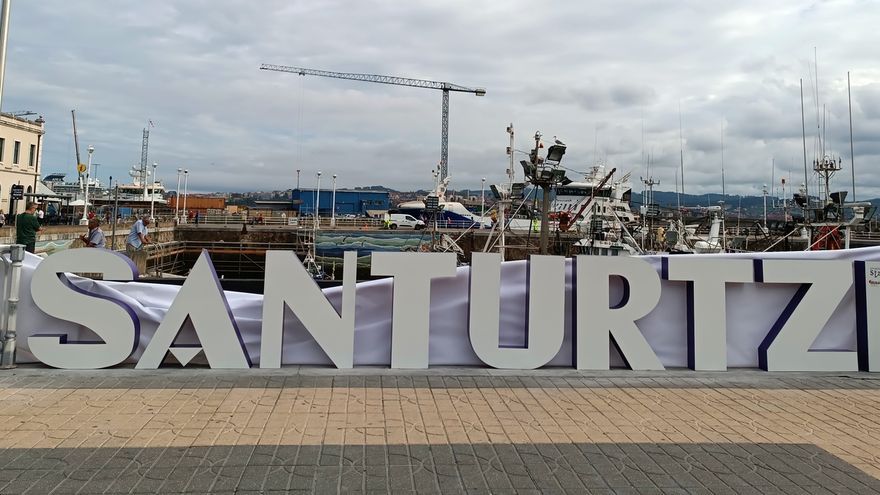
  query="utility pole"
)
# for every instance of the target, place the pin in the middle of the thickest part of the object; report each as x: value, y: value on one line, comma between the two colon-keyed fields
x: 115, y: 215
x: 4, y: 38
x: 153, y: 193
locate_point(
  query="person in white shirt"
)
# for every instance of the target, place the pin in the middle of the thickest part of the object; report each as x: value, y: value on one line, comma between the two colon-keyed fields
x: 137, y: 238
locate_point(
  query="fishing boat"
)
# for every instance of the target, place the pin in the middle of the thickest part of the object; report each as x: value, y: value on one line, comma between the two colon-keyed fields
x: 131, y: 194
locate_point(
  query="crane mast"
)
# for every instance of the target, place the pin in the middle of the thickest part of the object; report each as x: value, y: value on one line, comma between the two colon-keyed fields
x: 445, y: 87
x: 76, y: 148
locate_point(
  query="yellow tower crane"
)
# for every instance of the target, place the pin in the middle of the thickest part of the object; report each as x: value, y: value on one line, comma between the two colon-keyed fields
x: 398, y: 81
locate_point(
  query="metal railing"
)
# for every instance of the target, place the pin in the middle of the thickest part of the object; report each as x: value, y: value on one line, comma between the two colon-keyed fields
x: 325, y: 222
x: 283, y: 221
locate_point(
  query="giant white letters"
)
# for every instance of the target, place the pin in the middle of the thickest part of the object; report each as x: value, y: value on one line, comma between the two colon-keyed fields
x: 289, y: 284
x: 787, y: 345
x: 203, y: 302
x: 546, y: 311
x: 105, y: 330
x: 411, y: 303
x: 114, y: 322
x: 707, y: 279
x: 597, y: 320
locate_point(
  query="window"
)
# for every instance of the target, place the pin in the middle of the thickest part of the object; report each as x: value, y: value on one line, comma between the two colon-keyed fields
x: 16, y: 151
x: 32, y: 156
x: 2, y: 148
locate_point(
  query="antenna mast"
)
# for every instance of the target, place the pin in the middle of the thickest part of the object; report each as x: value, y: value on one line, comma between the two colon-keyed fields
x: 680, y: 149
x: 804, y: 133
x: 145, y: 145
x: 852, y: 153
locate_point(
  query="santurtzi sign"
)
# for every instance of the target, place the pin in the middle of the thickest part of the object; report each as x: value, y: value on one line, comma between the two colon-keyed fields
x: 806, y: 313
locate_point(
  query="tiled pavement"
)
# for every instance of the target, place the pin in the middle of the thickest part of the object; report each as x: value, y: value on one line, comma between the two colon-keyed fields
x: 447, y: 430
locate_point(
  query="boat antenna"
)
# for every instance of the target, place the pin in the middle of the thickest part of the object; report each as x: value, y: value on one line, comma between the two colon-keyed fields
x: 824, y: 133
x: 804, y: 134
x: 820, y: 147
x: 644, y: 164
x: 677, y: 195
x: 723, y: 190
x: 680, y: 149
x: 773, y: 179
x: 852, y: 154
x: 723, y: 194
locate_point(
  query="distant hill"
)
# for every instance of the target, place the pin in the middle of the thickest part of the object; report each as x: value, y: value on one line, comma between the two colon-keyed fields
x: 751, y: 205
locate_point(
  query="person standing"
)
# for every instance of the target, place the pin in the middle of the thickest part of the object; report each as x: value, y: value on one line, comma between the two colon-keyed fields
x: 137, y: 238
x: 2, y: 219
x: 40, y: 215
x: 26, y: 227
x: 95, y: 237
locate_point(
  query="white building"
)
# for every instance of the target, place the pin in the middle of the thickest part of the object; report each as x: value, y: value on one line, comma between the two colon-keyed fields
x: 20, y: 158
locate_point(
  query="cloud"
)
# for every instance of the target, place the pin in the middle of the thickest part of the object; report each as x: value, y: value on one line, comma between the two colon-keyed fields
x: 609, y: 78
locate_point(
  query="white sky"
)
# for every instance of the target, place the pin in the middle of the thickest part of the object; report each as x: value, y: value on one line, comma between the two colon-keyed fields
x: 592, y: 73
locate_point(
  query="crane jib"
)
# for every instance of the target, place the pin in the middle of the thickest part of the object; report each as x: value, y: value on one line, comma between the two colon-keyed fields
x: 376, y: 78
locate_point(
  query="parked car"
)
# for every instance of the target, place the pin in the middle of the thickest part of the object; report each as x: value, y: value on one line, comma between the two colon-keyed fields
x: 400, y: 220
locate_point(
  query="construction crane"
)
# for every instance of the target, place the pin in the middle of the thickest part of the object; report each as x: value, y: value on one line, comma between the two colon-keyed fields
x: 79, y: 164
x: 397, y: 81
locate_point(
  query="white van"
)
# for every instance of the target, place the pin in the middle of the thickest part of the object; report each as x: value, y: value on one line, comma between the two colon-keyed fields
x: 405, y: 221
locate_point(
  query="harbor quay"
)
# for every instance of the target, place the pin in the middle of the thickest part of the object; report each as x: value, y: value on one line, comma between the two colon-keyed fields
x: 444, y: 430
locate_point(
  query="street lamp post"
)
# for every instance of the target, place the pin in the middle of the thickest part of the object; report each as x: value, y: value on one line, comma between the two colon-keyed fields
x: 764, y: 191
x: 297, y: 178
x: 185, y: 181
x: 333, y: 206
x: 153, y: 194
x: 177, y: 197
x: 482, y: 202
x: 318, y: 202
x: 85, y: 218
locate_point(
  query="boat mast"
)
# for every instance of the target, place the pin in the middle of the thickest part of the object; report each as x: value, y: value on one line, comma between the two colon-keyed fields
x: 773, y: 180
x: 723, y: 194
x: 852, y: 154
x: 680, y: 151
x: 804, y: 134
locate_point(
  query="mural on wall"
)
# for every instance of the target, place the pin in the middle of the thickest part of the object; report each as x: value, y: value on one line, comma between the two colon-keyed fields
x: 48, y: 247
x: 333, y: 245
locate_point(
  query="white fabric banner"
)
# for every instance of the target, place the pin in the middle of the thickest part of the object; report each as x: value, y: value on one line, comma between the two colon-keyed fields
x: 752, y: 308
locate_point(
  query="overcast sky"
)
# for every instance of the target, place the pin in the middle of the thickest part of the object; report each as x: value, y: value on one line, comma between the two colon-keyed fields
x: 605, y: 77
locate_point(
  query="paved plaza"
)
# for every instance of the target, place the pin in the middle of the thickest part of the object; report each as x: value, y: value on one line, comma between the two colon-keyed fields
x: 314, y: 430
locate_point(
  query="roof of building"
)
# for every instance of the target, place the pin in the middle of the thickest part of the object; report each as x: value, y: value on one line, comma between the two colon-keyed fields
x: 359, y: 191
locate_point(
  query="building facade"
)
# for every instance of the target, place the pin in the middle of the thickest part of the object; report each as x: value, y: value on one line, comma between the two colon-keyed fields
x: 348, y: 202
x: 20, y: 158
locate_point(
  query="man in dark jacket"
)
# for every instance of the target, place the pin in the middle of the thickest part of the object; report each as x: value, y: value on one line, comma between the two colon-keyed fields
x: 26, y: 227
